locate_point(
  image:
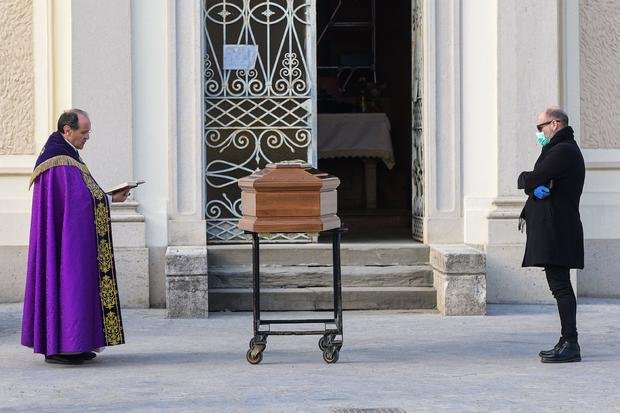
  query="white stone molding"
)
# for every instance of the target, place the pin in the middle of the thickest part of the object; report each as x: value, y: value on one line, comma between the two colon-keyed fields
x: 443, y: 220
x: 186, y: 224
x: 529, y: 79
x: 60, y: 57
x: 571, y: 85
x: 503, y: 221
x: 101, y: 84
x: 130, y: 253
x: 42, y: 35
x: 479, y: 117
x: 507, y: 207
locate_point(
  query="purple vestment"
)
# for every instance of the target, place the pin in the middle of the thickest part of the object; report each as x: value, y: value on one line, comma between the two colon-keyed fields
x: 71, y: 300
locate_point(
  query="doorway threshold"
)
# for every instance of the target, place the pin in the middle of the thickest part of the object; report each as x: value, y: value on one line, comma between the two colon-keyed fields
x: 375, y: 226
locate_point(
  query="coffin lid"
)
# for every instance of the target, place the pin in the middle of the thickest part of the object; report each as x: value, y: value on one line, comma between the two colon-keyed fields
x: 294, y: 175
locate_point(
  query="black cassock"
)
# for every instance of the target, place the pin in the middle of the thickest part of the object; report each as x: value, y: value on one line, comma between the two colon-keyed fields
x: 553, y: 224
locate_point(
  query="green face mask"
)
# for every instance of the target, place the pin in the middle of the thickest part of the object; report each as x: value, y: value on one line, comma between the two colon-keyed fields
x: 542, y: 139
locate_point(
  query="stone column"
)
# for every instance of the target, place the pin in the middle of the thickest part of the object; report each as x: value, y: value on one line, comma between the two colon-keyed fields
x: 529, y: 79
x: 186, y: 257
x: 186, y: 224
x: 101, y: 84
x: 443, y: 219
x: 151, y: 130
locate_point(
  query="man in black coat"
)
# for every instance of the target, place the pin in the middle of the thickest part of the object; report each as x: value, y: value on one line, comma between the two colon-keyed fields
x: 553, y: 224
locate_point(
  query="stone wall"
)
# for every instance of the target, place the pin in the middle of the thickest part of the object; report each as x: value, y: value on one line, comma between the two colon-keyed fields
x: 600, y: 275
x: 599, y: 36
x: 599, y: 58
x: 16, y: 78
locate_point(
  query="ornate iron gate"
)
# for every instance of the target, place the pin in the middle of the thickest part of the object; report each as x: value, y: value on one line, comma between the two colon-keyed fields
x: 417, y: 167
x: 260, y: 114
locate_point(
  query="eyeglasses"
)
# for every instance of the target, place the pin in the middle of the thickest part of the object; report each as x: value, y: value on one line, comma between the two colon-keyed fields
x: 540, y: 126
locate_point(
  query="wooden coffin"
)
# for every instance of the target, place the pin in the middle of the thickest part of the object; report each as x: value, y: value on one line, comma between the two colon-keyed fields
x: 289, y: 197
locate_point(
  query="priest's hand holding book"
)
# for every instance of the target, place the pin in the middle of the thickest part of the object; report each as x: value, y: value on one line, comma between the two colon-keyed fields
x: 120, y: 192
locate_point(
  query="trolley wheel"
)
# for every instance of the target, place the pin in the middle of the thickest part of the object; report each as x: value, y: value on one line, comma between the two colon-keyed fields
x: 254, y: 355
x: 330, y: 355
x: 324, y: 342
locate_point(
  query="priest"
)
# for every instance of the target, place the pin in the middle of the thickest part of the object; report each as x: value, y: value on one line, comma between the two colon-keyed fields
x: 71, y: 303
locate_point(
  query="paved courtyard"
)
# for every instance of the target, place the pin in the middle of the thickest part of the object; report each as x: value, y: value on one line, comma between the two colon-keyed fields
x: 415, y: 362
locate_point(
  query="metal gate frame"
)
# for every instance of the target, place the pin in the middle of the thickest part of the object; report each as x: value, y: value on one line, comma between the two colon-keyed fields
x: 256, y: 116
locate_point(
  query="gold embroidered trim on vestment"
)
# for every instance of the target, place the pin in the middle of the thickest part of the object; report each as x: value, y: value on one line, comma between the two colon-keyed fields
x: 102, y: 221
x: 94, y: 188
x: 108, y: 292
x: 60, y: 160
x: 113, y: 329
x: 105, y: 256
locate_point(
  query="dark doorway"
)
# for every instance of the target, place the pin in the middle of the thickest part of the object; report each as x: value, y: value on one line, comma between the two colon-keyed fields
x: 364, y: 87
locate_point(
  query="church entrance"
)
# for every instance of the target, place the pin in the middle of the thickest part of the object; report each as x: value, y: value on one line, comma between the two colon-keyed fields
x: 336, y: 83
x: 364, y: 133
x: 333, y: 82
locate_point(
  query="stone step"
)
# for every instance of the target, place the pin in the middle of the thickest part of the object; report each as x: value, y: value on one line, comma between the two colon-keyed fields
x: 321, y: 298
x: 355, y: 254
x: 297, y: 276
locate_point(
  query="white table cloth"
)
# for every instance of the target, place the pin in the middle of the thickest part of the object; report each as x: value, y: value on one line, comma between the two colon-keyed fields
x: 358, y: 135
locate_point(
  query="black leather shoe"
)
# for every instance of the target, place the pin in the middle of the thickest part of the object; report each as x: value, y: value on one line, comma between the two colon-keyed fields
x: 569, y: 352
x: 553, y: 351
x: 64, y: 359
x: 87, y: 356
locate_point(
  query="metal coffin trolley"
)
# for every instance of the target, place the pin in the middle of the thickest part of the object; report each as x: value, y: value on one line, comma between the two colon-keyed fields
x: 290, y: 197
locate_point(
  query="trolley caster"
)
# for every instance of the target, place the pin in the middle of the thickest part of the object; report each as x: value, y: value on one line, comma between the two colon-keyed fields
x: 255, y: 355
x: 260, y: 340
x: 324, y: 342
x: 330, y: 355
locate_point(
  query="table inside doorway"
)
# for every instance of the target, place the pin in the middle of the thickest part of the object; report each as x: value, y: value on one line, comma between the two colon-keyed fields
x: 357, y: 135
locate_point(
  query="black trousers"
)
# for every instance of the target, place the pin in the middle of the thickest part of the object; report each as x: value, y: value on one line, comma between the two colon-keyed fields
x: 559, y: 284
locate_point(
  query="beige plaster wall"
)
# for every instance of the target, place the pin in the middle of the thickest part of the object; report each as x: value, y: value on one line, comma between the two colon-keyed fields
x: 16, y: 78
x: 599, y: 49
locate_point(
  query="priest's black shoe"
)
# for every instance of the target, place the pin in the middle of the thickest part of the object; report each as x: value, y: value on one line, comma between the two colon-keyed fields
x: 89, y: 355
x: 553, y: 351
x: 569, y: 352
x: 64, y: 359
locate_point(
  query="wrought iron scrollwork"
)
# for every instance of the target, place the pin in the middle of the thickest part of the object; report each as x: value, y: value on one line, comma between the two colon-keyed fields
x: 255, y: 116
x: 418, y: 141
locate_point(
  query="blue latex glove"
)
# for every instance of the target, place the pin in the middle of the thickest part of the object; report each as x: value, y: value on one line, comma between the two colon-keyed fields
x: 542, y: 192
